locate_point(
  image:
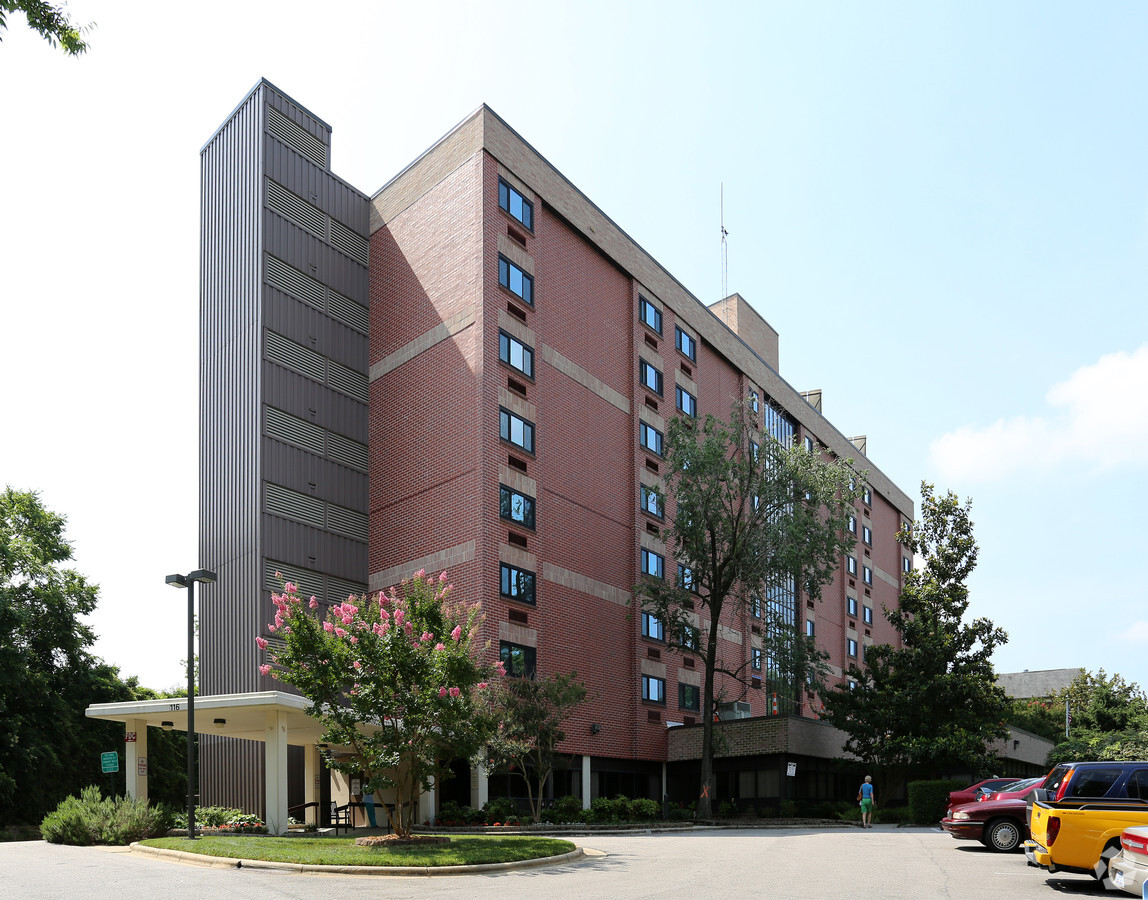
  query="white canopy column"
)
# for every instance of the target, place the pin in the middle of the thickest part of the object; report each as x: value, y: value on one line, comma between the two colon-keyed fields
x: 135, y: 758
x: 275, y: 774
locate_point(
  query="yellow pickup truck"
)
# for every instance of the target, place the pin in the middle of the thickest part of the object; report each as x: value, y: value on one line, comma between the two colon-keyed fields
x: 1081, y: 835
x: 1078, y: 813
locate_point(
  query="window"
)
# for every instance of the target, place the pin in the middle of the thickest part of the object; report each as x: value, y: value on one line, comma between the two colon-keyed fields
x: 649, y: 314
x: 852, y: 648
x: 851, y: 606
x: 652, y: 564
x: 866, y: 574
x: 868, y: 615
x: 650, y: 438
x: 686, y: 344
x: 687, y: 402
x: 809, y: 445
x: 851, y: 565
x: 689, y: 696
x: 517, y: 584
x: 652, y: 627
x: 867, y: 496
x: 653, y: 689
x: 651, y: 502
x: 755, y: 606
x: 906, y: 565
x: 691, y: 637
x: 515, y: 506
x: 516, y: 354
x: 867, y: 535
x: 809, y: 628
x: 753, y: 401
x: 853, y: 524
x: 515, y: 280
x: 516, y: 430
x: 686, y: 578
x: 852, y: 684
x: 515, y: 204
x: 650, y: 377
x: 755, y: 659
x: 754, y: 448
x: 518, y: 661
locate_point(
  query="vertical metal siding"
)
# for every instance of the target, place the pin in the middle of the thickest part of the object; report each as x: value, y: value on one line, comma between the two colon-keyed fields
x: 236, y: 381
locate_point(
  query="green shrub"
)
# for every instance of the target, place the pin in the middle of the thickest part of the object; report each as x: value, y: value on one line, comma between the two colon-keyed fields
x: 891, y: 815
x: 726, y: 810
x: 451, y: 813
x: 605, y: 810
x: 501, y: 811
x: 92, y: 819
x: 928, y: 799
x: 787, y: 809
x: 679, y: 814
x: 645, y: 810
x: 564, y: 810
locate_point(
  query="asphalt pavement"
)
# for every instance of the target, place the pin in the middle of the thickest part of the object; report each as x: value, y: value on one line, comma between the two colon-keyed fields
x: 784, y: 863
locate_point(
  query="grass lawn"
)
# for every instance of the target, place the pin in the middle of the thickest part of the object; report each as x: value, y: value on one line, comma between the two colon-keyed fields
x: 326, y: 851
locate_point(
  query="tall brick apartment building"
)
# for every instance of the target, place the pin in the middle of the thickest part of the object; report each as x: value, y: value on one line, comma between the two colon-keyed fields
x: 485, y: 392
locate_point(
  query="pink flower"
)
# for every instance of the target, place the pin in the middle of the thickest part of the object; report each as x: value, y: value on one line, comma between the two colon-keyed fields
x: 482, y: 685
x: 261, y: 643
x: 357, y: 664
x: 454, y: 692
x: 264, y: 669
x: 289, y: 588
x: 421, y: 573
x: 314, y: 604
x: 442, y: 692
x: 328, y: 627
x: 341, y: 632
x: 440, y: 646
x: 442, y: 578
x: 426, y: 636
x: 354, y: 639
x: 457, y: 633
x: 399, y: 615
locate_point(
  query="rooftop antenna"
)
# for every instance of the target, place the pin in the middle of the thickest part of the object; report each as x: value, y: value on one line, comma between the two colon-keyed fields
x: 724, y: 249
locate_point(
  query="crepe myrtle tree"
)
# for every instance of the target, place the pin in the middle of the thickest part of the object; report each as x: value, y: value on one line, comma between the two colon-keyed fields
x: 746, y: 513
x: 397, y: 680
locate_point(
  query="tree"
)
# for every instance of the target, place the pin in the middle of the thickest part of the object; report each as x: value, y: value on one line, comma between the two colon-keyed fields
x: 394, y: 680
x: 530, y: 713
x: 747, y: 519
x: 50, y: 22
x: 48, y: 677
x: 1109, y: 719
x: 933, y: 702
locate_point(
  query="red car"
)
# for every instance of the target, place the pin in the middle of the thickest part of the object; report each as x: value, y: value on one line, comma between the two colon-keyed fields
x: 998, y: 824
x: 1016, y: 790
x: 969, y: 794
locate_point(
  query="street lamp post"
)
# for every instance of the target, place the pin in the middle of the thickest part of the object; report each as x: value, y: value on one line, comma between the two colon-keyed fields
x: 204, y: 576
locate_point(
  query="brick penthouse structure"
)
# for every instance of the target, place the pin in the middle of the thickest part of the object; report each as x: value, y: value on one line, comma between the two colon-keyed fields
x: 495, y: 411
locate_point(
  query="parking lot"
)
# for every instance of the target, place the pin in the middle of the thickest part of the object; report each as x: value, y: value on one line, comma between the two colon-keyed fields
x: 835, y: 864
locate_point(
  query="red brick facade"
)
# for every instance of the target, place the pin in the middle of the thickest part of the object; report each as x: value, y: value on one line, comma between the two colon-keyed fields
x: 437, y: 460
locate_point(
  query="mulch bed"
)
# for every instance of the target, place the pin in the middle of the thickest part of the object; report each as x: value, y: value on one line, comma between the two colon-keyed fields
x: 389, y: 841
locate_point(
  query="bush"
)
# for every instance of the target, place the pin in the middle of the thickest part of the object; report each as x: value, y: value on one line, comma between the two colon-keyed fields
x: 451, y: 813
x: 726, y: 809
x: 91, y: 819
x: 891, y: 815
x: 787, y: 809
x: 645, y: 810
x: 928, y: 799
x: 501, y: 811
x: 565, y: 810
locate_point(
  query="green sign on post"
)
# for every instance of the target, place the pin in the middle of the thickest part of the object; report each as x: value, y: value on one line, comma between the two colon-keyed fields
x: 109, y: 762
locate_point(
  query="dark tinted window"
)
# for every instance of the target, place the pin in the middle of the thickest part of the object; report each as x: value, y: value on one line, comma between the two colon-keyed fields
x: 1093, y: 782
x: 1138, y: 785
x: 1055, y: 777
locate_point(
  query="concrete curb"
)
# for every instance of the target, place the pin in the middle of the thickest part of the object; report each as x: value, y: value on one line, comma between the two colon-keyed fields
x: 221, y: 862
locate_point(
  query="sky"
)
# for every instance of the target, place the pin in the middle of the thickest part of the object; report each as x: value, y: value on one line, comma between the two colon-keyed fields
x: 941, y: 208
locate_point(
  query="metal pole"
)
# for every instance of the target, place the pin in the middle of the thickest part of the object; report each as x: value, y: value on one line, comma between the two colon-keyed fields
x: 191, y: 709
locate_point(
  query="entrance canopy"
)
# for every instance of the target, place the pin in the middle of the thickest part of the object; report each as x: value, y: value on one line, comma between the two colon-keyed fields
x: 273, y: 717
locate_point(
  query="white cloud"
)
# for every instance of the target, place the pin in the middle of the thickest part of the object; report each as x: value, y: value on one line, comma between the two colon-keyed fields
x: 1136, y: 633
x: 1097, y: 417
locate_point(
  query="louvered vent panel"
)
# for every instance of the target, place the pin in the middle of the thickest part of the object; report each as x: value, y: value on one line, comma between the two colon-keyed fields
x: 347, y: 311
x: 309, y: 583
x: 354, y: 245
x: 348, y: 452
x: 292, y: 206
x: 346, y: 522
x: 293, y: 505
x: 340, y: 589
x: 295, y: 356
x: 294, y: 430
x: 298, y: 138
x: 351, y: 383
x: 297, y: 284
